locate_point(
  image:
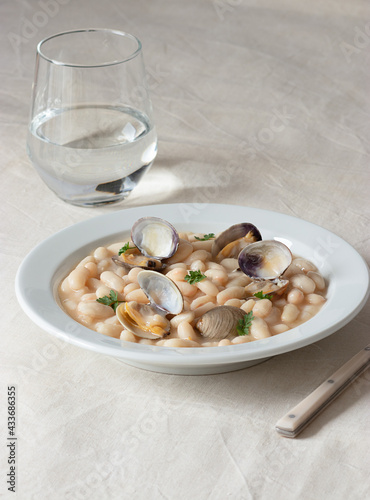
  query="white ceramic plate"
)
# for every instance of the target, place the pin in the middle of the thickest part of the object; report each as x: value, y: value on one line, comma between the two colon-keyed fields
x: 45, y: 266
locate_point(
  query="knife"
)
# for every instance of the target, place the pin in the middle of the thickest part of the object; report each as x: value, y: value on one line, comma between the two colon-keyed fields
x: 301, y: 415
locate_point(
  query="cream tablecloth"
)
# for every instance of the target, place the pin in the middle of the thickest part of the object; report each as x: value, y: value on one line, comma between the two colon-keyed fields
x: 278, y: 88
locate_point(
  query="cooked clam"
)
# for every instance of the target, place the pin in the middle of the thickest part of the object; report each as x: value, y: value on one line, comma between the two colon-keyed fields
x: 220, y: 322
x: 149, y: 320
x: 267, y: 287
x: 230, y: 242
x: 265, y: 260
x: 155, y: 237
x: 134, y: 258
x: 155, y: 240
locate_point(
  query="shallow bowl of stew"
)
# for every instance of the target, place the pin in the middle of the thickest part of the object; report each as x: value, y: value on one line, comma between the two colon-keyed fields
x: 43, y: 269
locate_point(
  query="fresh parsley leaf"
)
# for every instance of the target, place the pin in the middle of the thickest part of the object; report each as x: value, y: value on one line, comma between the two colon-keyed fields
x: 244, y: 324
x: 111, y: 300
x: 194, y: 277
x: 205, y: 237
x: 124, y: 249
x: 261, y: 295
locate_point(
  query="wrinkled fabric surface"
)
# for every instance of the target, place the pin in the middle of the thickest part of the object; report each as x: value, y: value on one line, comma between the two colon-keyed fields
x: 280, y: 88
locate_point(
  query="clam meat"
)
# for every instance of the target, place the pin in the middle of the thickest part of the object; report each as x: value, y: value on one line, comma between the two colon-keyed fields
x: 149, y: 320
x: 267, y: 287
x: 220, y: 322
x: 230, y: 242
x: 265, y: 260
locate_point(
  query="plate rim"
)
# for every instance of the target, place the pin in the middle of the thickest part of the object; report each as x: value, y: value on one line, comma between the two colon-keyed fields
x: 166, y: 356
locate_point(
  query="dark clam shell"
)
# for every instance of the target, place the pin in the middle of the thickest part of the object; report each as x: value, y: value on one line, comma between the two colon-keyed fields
x: 265, y: 260
x: 226, y: 242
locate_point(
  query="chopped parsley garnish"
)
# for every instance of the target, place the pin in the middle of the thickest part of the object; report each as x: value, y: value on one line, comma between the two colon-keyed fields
x: 194, y: 277
x: 111, y: 300
x: 124, y: 249
x: 244, y: 324
x: 261, y: 295
x: 206, y: 237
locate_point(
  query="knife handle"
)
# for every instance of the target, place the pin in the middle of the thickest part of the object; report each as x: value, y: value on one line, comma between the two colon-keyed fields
x: 302, y: 414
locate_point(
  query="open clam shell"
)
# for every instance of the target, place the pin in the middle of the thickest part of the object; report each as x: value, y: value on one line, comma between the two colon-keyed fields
x: 161, y: 291
x: 155, y: 237
x: 149, y: 320
x: 265, y: 260
x: 231, y: 241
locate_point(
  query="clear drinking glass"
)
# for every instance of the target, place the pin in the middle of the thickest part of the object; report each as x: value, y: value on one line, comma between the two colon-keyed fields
x: 91, y: 135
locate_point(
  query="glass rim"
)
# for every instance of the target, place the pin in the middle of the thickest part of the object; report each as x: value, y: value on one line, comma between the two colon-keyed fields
x: 88, y: 30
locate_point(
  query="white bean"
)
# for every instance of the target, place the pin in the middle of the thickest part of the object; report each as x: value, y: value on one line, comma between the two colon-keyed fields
x: 93, y: 284
x: 259, y: 329
x: 304, y: 264
x: 295, y: 296
x: 234, y: 303
x: 185, y: 316
x: 186, y: 331
x: 102, y: 253
x: 94, y: 310
x: 138, y: 296
x: 176, y: 266
x: 218, y: 276
x: 198, y: 255
x: 224, y: 342
x: 248, y: 305
x: 238, y: 281
x: 303, y: 282
x: 130, y: 287
x: 230, y: 264
x: 104, y: 265
x: 110, y: 279
x: 127, y: 335
x: 318, y: 279
x: 177, y: 274
x: 203, y: 309
x: 198, y: 265
x: 186, y: 288
x: 234, y: 292
x: 65, y: 286
x: 78, y: 277
x: 180, y: 343
x: 207, y: 287
x: 102, y: 291
x: 243, y: 339
x: 290, y: 313
x: 262, y: 308
x: 200, y: 301
x: 202, y: 245
x: 110, y: 330
x: 85, y: 261
x: 114, y: 248
x: 88, y: 296
x: 133, y: 274
x: 92, y: 268
x: 315, y: 298
x: 279, y: 328
x: 146, y: 342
